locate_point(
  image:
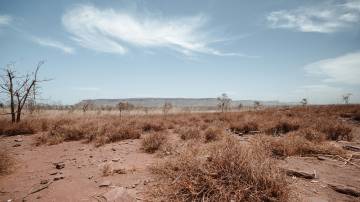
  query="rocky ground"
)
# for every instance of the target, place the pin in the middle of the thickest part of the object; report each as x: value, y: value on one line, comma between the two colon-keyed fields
x: 76, y: 171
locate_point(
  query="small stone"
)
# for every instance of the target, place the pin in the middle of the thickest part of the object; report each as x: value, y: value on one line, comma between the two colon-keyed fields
x: 44, y: 181
x: 90, y: 177
x: 119, y: 171
x: 59, y: 165
x: 105, y: 183
x: 18, y: 140
x: 59, y: 178
x: 113, y: 149
x: 53, y: 173
x: 90, y: 156
x: 17, y: 145
x: 115, y: 160
x: 79, y: 166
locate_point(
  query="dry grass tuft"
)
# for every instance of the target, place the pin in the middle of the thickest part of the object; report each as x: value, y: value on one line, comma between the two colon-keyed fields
x: 243, y: 127
x: 153, y: 142
x: 282, y: 127
x: 190, y: 133
x: 212, y: 134
x: 5, y: 163
x: 223, y: 171
x: 11, y: 129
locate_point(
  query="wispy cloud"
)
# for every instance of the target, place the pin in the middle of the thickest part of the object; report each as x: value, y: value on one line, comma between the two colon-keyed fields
x: 343, y: 69
x: 327, y: 17
x: 53, y: 44
x: 5, y: 20
x: 86, y: 88
x: 116, y: 31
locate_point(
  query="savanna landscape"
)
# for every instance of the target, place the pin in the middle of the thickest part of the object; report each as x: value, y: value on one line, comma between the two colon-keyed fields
x: 204, y: 101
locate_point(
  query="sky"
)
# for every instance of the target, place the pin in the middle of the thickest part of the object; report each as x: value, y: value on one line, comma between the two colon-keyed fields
x: 282, y: 50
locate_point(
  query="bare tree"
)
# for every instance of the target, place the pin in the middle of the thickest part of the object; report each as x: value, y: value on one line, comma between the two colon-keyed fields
x: 304, y: 102
x: 167, y: 107
x: 240, y: 106
x: 346, y: 98
x: 85, y: 107
x: 19, y: 89
x: 257, y: 104
x: 224, y: 102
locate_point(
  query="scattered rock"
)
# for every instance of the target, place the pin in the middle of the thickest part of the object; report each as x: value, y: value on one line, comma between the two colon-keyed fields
x: 18, y: 140
x: 146, y: 182
x: 81, y: 149
x: 300, y: 174
x: 352, y: 148
x: 79, y: 166
x: 119, y: 170
x: 321, y: 158
x: 53, y: 173
x: 44, y: 181
x: 105, y: 183
x: 38, y: 188
x: 90, y: 177
x: 59, y: 178
x: 90, y: 156
x: 59, y: 165
x: 115, y: 160
x: 16, y: 145
x: 113, y: 149
x: 345, y: 190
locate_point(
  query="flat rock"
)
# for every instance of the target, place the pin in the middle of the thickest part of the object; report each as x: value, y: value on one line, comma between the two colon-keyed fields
x: 345, y: 190
x: 300, y: 174
x: 59, y: 165
x: 118, y: 194
x: 105, y: 183
x: 352, y: 148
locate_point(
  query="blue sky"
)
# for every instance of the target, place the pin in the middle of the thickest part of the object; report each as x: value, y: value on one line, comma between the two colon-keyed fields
x: 263, y: 50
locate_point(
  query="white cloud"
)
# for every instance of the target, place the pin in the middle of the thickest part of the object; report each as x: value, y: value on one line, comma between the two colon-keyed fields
x: 5, y: 20
x: 54, y: 44
x: 325, y: 18
x: 115, y: 31
x: 343, y: 69
x: 319, y: 94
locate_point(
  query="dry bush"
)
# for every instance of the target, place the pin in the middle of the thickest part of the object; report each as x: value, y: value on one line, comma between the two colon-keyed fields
x: 213, y: 134
x: 296, y: 145
x: 5, y: 162
x: 313, y: 135
x: 153, y: 126
x: 107, y: 170
x: 243, y: 127
x: 282, y: 127
x: 190, y: 133
x: 153, y: 142
x: 10, y: 129
x: 223, y: 171
x: 336, y: 131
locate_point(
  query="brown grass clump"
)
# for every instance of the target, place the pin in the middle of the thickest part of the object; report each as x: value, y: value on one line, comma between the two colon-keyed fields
x: 212, y: 134
x: 153, y: 142
x: 243, y: 127
x: 5, y: 162
x: 151, y: 126
x: 282, y: 127
x: 190, y: 133
x: 11, y: 129
x: 296, y: 145
x: 223, y: 171
x: 336, y: 131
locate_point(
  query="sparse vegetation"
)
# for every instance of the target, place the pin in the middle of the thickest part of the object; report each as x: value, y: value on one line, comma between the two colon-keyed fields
x: 153, y: 142
x: 5, y: 162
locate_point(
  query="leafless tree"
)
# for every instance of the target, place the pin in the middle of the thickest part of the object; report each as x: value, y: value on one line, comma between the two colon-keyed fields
x: 19, y: 89
x: 167, y: 107
x: 224, y: 102
x: 240, y: 106
x: 257, y: 104
x: 346, y: 98
x: 85, y: 107
x: 304, y: 102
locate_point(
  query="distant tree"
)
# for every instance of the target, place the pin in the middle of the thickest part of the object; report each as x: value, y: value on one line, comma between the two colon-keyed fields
x: 240, y: 106
x: 346, y: 98
x: 224, y: 102
x: 19, y: 89
x: 167, y: 107
x: 257, y: 104
x: 124, y: 106
x: 304, y: 102
x: 85, y: 106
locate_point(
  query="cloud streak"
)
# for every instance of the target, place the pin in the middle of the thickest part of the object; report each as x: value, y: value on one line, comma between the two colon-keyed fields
x: 53, y: 44
x: 5, y: 20
x: 343, y: 69
x: 113, y: 31
x: 325, y: 18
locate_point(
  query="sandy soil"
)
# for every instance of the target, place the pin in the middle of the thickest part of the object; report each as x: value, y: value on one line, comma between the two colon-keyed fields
x: 82, y: 175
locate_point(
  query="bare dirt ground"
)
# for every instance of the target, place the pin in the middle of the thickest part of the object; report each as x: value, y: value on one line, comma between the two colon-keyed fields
x: 73, y: 171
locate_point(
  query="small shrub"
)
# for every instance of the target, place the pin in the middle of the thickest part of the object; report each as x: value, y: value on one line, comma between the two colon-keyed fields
x: 243, y: 127
x: 150, y: 126
x: 212, y: 134
x: 336, y: 131
x: 282, y: 127
x: 190, y: 133
x: 224, y: 171
x: 11, y: 129
x: 153, y: 142
x: 107, y: 170
x: 313, y: 135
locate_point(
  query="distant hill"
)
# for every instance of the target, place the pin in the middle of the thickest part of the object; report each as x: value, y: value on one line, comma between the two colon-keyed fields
x: 176, y: 102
